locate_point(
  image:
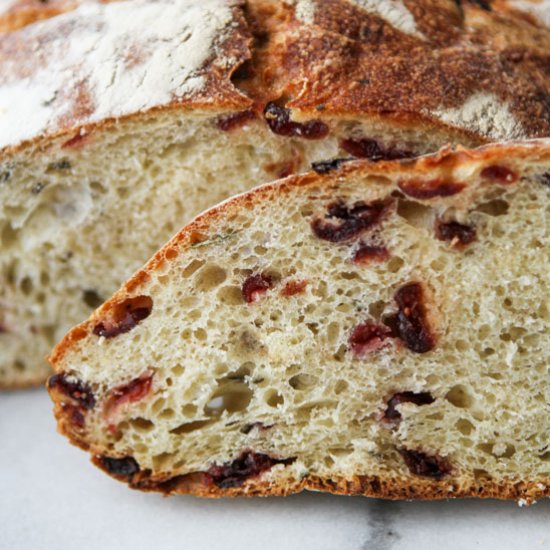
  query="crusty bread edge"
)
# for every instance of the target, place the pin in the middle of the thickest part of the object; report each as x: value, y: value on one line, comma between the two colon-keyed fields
x: 378, y: 486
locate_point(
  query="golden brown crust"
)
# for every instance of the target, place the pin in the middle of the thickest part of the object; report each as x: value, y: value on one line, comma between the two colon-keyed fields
x: 344, y: 61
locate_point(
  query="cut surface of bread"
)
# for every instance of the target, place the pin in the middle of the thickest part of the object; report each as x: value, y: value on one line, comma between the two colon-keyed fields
x: 115, y: 132
x: 380, y: 329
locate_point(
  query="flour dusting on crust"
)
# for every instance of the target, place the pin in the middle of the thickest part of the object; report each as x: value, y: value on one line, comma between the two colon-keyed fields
x: 393, y: 11
x: 539, y: 9
x: 106, y: 60
x: 486, y: 114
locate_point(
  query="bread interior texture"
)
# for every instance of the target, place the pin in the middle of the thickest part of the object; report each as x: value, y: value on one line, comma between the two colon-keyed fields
x: 249, y: 346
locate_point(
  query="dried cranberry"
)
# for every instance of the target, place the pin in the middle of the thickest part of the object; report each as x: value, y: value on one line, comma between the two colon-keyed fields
x: 422, y: 464
x: 325, y: 166
x: 350, y: 222
x: 75, y: 389
x: 454, y: 232
x: 368, y: 337
x: 236, y: 120
x: 134, y: 391
x: 410, y: 323
x: 278, y: 120
x: 393, y: 415
x: 126, y: 466
x: 125, y: 316
x: 428, y: 189
x: 500, y: 174
x: 76, y: 141
x: 371, y: 149
x: 293, y: 287
x: 366, y: 253
x: 248, y: 465
x: 255, y: 286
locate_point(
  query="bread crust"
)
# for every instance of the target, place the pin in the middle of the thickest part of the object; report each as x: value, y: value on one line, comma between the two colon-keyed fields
x: 339, y: 61
x: 445, y: 163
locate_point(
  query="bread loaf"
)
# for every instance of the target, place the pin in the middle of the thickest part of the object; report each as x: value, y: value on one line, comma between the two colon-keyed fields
x: 115, y: 131
x: 378, y: 329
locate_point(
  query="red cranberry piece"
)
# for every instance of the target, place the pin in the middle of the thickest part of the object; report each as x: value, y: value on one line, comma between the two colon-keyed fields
x: 255, y: 286
x: 428, y: 189
x: 367, y: 253
x: 278, y: 120
x: 134, y: 391
x: 293, y: 287
x: 410, y: 323
x: 76, y: 390
x: 326, y: 166
x: 371, y: 149
x: 368, y: 337
x: 125, y: 316
x: 76, y: 141
x: 500, y: 174
x: 393, y: 415
x: 422, y: 464
x: 236, y: 120
x: 456, y: 233
x: 343, y: 223
x: 248, y: 465
x: 123, y: 467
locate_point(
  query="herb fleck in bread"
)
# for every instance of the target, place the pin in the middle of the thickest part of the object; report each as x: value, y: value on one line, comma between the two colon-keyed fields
x: 115, y: 132
x: 380, y: 329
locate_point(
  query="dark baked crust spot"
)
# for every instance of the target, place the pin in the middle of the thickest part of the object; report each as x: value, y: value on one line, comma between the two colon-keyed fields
x: 124, y: 316
x: 425, y: 465
x: 343, y: 223
x: 326, y: 166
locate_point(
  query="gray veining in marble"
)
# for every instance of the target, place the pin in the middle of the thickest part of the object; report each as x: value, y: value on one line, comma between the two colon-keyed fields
x: 52, y: 498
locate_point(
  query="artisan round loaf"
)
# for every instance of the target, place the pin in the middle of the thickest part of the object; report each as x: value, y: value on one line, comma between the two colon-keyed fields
x: 114, y: 131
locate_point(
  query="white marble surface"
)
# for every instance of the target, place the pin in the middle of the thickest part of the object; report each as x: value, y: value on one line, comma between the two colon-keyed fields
x: 51, y: 497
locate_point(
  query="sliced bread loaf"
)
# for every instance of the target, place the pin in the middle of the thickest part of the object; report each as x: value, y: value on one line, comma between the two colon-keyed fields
x: 380, y: 329
x: 114, y: 132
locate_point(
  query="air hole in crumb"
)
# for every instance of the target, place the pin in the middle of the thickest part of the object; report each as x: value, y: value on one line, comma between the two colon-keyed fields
x: 210, y: 277
x: 190, y: 427
x: 464, y: 426
x: 460, y: 397
x: 230, y: 397
x: 92, y: 299
x: 495, y: 207
x: 417, y: 214
x: 230, y: 295
x: 274, y: 398
x: 141, y: 425
x: 340, y: 386
x: 191, y: 268
x: 303, y: 381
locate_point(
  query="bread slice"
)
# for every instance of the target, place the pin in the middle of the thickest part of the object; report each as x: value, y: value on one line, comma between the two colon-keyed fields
x: 379, y: 329
x: 115, y: 132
